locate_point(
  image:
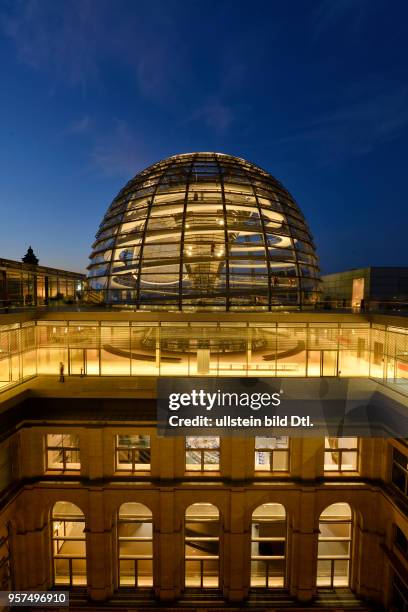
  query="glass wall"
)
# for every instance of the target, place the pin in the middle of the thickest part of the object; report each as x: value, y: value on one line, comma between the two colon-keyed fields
x: 239, y: 348
x: 29, y: 286
x: 18, y: 353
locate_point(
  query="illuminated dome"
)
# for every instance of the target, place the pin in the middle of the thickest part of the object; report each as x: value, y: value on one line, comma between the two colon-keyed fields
x: 204, y: 231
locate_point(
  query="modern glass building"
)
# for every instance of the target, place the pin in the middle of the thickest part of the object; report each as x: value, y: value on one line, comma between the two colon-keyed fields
x: 206, y: 268
x: 374, y: 288
x: 205, y: 231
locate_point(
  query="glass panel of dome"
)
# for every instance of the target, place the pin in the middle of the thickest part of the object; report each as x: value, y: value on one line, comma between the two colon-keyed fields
x: 160, y: 288
x: 99, y: 270
x: 155, y: 254
x: 110, y: 231
x: 269, y: 203
x: 175, y: 187
x: 249, y: 249
x: 172, y: 206
x: 101, y: 257
x: 136, y: 204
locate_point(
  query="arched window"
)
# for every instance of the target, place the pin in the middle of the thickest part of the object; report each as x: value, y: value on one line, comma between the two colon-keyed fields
x: 68, y: 544
x: 268, y: 546
x: 202, y: 546
x: 135, y: 545
x: 334, y: 552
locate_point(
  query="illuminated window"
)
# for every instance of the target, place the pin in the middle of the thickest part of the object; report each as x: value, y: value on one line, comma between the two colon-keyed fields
x: 357, y: 295
x: 202, y: 454
x: 272, y: 454
x: 202, y: 546
x: 268, y: 546
x: 62, y: 452
x: 135, y: 545
x: 68, y: 545
x: 340, y: 454
x: 335, y: 532
x: 399, y: 475
x: 132, y: 453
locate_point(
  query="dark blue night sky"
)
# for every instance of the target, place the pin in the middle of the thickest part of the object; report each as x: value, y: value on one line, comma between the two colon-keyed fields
x: 316, y: 92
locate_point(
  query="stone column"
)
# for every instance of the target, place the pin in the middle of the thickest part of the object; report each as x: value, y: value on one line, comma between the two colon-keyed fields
x: 302, y: 553
x: 99, y: 550
x: 169, y: 550
x: 368, y: 563
x: 236, y: 557
x: 31, y: 545
x: 92, y: 459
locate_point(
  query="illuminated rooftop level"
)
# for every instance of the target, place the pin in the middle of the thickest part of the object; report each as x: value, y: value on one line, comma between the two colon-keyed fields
x: 205, y: 231
x: 94, y: 344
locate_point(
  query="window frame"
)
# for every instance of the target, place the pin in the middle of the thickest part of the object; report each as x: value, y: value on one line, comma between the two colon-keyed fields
x: 64, y: 450
x: 332, y: 559
x: 134, y: 558
x: 133, y: 450
x: 56, y: 548
x: 203, y: 558
x: 201, y: 450
x: 267, y: 558
x: 271, y: 451
x: 340, y: 452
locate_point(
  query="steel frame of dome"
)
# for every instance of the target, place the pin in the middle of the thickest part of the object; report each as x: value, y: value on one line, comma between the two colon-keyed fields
x: 205, y: 231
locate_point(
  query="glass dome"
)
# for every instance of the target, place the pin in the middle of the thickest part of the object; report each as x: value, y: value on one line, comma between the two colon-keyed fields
x: 204, y: 231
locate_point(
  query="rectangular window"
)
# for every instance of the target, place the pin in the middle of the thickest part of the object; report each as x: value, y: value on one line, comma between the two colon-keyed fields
x: 399, y: 475
x: 132, y: 453
x: 202, y: 454
x: 62, y: 452
x: 340, y: 454
x: 272, y: 454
